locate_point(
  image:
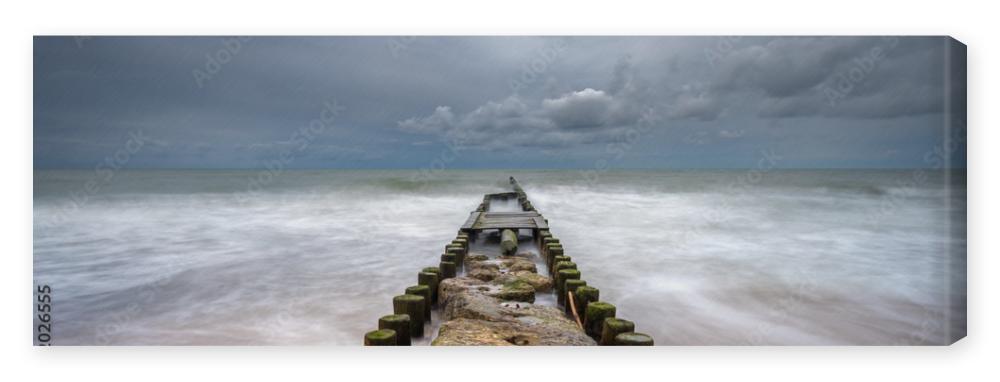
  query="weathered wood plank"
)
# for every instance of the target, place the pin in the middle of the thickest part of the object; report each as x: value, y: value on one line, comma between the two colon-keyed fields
x: 473, y: 217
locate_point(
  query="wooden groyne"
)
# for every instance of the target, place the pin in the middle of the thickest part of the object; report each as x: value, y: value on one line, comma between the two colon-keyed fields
x: 485, y: 286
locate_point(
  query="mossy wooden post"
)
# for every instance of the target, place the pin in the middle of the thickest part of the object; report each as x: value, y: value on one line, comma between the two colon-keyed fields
x: 448, y: 270
x: 400, y: 323
x: 612, y: 328
x: 557, y: 260
x: 565, y: 264
x: 434, y: 270
x: 413, y: 306
x: 463, y: 242
x: 542, y: 234
x: 552, y: 250
x: 425, y: 292
x: 508, y: 242
x: 450, y: 257
x: 431, y: 281
x: 561, y: 277
x: 633, y: 339
x: 545, y: 244
x: 583, y: 297
x: 571, y: 286
x: 458, y: 251
x: 381, y: 337
x: 597, y: 312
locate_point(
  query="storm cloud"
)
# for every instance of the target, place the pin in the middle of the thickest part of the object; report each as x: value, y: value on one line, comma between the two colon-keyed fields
x: 508, y: 101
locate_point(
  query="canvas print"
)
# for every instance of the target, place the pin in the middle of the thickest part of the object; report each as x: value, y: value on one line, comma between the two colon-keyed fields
x: 499, y: 190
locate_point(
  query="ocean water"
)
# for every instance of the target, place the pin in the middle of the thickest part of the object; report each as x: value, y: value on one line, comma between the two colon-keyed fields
x: 731, y: 257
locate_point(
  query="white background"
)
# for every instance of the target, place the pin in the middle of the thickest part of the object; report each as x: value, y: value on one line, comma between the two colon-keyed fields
x: 971, y: 22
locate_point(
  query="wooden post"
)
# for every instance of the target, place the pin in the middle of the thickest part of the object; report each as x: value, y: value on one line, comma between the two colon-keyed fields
x: 566, y: 264
x: 557, y: 260
x: 413, y: 306
x: 542, y: 234
x: 633, y: 339
x: 381, y: 337
x: 508, y: 242
x: 451, y: 257
x: 448, y: 270
x: 458, y: 251
x: 425, y: 292
x: 597, y: 312
x: 431, y: 281
x: 571, y: 286
x: 551, y: 251
x: 613, y: 327
x: 399, y: 323
x: 561, y: 277
x: 584, y: 296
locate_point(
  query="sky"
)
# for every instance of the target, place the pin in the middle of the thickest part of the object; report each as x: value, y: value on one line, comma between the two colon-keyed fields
x: 498, y: 102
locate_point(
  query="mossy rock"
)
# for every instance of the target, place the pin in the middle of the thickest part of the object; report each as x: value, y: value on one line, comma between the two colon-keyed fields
x: 475, y: 258
x: 516, y: 290
x: 539, y: 282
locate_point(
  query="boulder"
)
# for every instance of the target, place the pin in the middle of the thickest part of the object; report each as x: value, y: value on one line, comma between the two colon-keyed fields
x: 475, y: 313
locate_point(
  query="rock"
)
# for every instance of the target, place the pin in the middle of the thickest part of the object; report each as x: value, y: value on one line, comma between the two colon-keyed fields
x: 515, y: 264
x: 516, y: 290
x: 474, y: 313
x: 484, y: 274
x: 527, y: 255
x: 539, y: 282
x: 473, y: 257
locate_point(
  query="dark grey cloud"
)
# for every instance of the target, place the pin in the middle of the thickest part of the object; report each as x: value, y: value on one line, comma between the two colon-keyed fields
x: 510, y: 101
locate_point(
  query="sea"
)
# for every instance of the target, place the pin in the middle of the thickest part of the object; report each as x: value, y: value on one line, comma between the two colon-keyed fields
x: 313, y: 257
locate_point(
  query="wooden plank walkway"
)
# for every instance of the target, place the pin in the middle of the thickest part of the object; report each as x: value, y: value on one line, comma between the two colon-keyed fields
x: 504, y: 220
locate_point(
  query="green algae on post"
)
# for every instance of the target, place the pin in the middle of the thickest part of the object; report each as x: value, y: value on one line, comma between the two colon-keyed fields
x: 597, y: 312
x: 570, y: 286
x: 508, y: 242
x: 450, y: 257
x: 561, y: 277
x: 633, y: 339
x: 400, y: 323
x: 381, y: 337
x: 425, y: 292
x: 612, y: 328
x: 413, y: 306
x: 431, y: 280
x: 448, y: 269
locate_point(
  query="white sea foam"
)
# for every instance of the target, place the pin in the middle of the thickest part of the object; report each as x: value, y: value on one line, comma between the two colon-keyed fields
x: 824, y: 257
